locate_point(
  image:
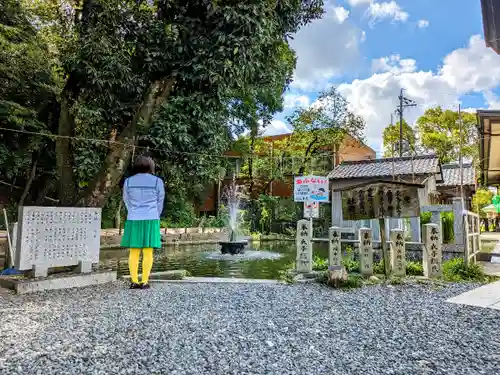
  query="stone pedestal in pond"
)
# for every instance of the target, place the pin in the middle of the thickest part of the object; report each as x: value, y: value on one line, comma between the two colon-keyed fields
x: 398, y: 263
x: 233, y: 247
x: 304, y: 246
x: 366, y: 252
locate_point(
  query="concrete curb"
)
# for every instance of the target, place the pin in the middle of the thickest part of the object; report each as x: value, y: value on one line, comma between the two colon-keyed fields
x: 217, y: 280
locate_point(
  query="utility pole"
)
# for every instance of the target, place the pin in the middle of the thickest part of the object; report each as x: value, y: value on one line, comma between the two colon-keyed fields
x: 403, y: 103
x: 460, y: 125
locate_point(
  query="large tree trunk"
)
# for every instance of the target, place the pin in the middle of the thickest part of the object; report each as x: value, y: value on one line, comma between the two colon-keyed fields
x: 27, y: 187
x: 64, y: 156
x: 120, y: 152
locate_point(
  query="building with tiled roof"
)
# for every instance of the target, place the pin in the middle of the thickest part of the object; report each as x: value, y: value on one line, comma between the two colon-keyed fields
x: 491, y: 23
x: 451, y: 175
x: 450, y: 187
x: 407, y: 169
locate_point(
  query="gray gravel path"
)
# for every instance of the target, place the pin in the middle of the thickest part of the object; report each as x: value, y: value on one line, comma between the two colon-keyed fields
x: 247, y: 329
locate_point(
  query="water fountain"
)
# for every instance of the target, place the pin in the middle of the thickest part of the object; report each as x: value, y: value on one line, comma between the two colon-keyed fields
x: 234, y: 245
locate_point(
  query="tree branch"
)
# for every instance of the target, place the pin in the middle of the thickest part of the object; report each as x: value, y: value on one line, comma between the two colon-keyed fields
x: 119, y: 154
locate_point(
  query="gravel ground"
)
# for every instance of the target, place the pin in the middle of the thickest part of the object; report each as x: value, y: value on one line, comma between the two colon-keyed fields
x: 247, y: 329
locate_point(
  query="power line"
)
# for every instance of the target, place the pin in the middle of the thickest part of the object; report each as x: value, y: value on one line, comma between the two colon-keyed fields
x: 133, y: 146
x: 404, y: 102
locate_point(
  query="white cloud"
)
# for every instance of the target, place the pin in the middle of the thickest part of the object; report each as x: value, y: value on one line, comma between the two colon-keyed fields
x: 341, y: 13
x: 276, y: 127
x: 492, y: 100
x: 421, y: 24
x: 394, y: 64
x: 325, y: 48
x: 386, y: 10
x: 293, y: 100
x: 474, y: 68
x: 354, y: 3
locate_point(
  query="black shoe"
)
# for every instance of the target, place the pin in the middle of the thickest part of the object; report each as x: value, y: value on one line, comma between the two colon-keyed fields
x: 135, y: 286
x: 145, y: 286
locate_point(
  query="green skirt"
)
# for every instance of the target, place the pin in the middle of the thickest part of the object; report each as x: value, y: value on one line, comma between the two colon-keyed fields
x: 141, y: 234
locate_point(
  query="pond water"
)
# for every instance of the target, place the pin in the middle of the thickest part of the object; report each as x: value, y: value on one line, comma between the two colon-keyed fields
x: 262, y: 260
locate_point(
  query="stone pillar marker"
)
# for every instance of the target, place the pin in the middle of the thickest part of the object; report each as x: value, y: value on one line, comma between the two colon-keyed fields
x: 458, y: 221
x: 304, y: 246
x: 415, y: 229
x: 366, y: 251
x: 432, y: 257
x: 334, y: 247
x: 398, y: 262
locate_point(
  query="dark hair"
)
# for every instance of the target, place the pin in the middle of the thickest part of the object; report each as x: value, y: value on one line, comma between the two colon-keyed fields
x: 143, y: 164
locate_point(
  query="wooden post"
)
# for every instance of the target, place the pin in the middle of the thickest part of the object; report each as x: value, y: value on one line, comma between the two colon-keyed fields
x: 383, y: 245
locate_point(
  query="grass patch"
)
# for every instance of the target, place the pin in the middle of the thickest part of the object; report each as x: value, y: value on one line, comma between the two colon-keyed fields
x: 455, y: 270
x: 352, y: 282
x: 286, y: 275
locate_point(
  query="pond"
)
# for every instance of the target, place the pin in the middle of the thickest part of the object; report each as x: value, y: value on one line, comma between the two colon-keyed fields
x: 262, y: 260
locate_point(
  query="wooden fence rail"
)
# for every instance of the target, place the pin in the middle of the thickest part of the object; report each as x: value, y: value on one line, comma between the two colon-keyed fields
x: 472, y: 236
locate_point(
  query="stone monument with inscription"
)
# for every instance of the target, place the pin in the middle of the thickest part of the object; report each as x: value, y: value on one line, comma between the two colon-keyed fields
x: 304, y: 246
x: 366, y: 251
x: 432, y: 257
x: 335, y: 247
x: 398, y: 263
x: 50, y: 237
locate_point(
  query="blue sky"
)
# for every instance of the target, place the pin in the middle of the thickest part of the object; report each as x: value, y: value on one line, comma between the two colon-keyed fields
x: 373, y: 48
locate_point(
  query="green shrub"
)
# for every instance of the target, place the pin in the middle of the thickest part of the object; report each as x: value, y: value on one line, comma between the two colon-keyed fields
x: 456, y: 270
x: 378, y: 268
x: 414, y: 268
x: 353, y: 281
x: 286, y: 275
x: 351, y: 265
x: 425, y: 218
x: 447, y: 220
x: 320, y: 264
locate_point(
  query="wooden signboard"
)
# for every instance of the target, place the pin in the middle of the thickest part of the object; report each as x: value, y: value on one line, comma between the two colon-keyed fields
x: 381, y: 199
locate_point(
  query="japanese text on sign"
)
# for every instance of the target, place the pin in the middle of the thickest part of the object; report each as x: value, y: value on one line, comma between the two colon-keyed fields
x: 311, y: 188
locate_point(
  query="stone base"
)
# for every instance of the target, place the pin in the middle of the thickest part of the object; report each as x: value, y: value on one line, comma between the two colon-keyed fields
x: 164, y: 275
x: 23, y: 285
x: 233, y: 247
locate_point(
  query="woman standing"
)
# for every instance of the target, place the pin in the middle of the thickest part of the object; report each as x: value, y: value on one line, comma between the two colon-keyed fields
x: 143, y: 195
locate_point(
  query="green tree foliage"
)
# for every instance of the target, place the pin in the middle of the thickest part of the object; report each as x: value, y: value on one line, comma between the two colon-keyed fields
x: 391, y: 140
x: 481, y: 199
x: 320, y: 130
x: 27, y: 100
x: 439, y: 133
x: 179, y: 77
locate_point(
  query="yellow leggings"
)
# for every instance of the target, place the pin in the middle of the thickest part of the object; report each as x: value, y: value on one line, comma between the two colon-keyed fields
x: 147, y: 264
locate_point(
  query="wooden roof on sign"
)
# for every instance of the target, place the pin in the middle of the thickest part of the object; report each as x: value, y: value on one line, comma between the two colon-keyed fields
x: 384, y: 182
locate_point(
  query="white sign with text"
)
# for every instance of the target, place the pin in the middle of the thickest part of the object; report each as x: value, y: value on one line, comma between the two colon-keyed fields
x: 311, y: 188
